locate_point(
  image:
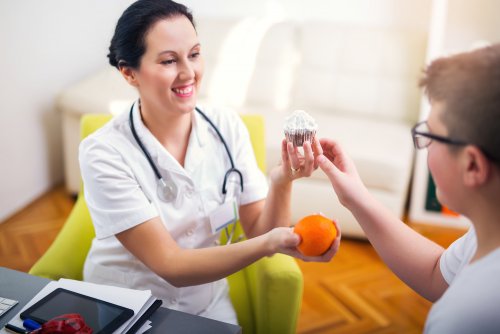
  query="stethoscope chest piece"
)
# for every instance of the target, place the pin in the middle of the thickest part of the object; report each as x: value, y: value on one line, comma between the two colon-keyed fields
x: 167, y: 190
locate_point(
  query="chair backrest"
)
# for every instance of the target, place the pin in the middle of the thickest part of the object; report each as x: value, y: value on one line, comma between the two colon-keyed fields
x: 66, y: 255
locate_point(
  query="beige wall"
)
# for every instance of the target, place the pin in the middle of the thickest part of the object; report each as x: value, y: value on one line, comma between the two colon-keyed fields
x: 469, y: 22
x: 407, y: 13
x: 44, y: 46
x: 463, y: 25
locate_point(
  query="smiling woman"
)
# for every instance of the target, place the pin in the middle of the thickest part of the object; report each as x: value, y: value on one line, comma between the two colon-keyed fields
x: 170, y: 244
x: 168, y: 78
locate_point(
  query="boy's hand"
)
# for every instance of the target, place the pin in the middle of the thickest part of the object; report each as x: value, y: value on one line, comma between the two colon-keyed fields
x: 342, y: 173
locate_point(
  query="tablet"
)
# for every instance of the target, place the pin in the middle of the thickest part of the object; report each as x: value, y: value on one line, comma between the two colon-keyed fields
x: 103, y: 317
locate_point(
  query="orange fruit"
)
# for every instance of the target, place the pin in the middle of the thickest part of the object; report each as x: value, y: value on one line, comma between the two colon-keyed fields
x: 317, y: 234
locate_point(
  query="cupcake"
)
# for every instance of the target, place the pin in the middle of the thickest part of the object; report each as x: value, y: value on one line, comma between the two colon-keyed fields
x: 300, y: 127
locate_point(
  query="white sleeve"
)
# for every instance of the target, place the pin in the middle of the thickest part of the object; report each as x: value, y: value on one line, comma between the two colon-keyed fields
x: 458, y: 255
x: 113, y: 195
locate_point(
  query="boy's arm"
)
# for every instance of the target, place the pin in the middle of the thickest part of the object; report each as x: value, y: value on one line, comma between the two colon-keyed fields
x: 414, y: 258
x: 411, y: 256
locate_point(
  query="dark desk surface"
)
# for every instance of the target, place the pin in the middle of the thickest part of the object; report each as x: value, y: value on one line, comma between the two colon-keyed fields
x: 22, y: 287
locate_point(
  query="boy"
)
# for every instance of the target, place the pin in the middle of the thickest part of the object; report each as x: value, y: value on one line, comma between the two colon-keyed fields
x: 462, y: 135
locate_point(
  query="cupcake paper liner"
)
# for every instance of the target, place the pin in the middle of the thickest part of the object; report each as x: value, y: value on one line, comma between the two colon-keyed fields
x: 300, y: 136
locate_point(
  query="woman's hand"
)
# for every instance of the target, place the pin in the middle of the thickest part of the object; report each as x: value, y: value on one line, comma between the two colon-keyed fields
x: 283, y: 240
x: 342, y: 173
x: 294, y: 165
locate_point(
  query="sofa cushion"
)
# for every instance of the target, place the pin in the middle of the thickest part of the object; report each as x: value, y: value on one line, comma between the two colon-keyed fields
x: 366, y: 71
x: 316, y: 196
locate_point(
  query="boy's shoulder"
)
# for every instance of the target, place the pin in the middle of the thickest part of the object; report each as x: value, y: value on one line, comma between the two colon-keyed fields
x: 471, y: 303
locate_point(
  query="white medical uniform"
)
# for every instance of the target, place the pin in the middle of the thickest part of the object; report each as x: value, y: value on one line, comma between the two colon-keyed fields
x: 121, y: 192
x: 471, y: 303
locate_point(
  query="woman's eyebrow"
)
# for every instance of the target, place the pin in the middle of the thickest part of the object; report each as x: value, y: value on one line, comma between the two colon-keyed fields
x: 171, y: 51
x: 165, y: 51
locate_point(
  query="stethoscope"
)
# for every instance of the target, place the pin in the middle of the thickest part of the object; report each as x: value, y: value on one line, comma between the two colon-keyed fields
x: 167, y: 189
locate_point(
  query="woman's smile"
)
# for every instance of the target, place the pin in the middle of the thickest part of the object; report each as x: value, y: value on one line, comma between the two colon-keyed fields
x: 184, y: 91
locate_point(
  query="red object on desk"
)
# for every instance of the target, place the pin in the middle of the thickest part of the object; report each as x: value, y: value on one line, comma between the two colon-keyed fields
x: 65, y: 324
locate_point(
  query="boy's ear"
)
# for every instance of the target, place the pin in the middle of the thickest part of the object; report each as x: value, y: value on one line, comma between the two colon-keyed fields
x: 129, y: 74
x: 477, y: 167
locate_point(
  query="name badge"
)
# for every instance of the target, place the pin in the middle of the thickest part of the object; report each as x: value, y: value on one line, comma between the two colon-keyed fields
x: 224, y: 215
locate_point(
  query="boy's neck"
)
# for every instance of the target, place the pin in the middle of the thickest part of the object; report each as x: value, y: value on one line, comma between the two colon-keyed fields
x: 483, y: 209
x: 487, y: 226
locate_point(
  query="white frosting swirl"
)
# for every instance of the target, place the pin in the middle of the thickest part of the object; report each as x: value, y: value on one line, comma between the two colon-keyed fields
x: 300, y: 120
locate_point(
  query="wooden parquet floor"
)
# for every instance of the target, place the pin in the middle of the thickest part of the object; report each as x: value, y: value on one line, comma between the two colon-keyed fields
x: 354, y: 293
x: 25, y: 236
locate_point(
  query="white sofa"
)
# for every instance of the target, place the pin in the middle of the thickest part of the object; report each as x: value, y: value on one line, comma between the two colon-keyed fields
x: 359, y: 83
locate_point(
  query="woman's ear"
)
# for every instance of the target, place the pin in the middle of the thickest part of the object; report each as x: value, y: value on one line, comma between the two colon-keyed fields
x: 477, y: 167
x: 129, y: 74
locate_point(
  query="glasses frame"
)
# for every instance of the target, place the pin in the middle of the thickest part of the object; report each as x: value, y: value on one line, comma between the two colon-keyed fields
x: 445, y: 140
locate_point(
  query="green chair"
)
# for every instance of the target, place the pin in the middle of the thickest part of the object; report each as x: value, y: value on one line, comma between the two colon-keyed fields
x: 267, y: 295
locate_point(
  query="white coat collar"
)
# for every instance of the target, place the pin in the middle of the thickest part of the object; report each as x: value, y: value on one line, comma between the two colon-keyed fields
x: 196, y: 151
x: 160, y: 156
x: 197, y: 148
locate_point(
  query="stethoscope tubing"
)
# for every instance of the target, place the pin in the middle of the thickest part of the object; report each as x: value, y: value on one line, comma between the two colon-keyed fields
x: 157, y: 172
x: 141, y: 145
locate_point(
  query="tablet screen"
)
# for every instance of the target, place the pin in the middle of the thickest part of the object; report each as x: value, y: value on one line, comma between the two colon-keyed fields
x: 101, y: 316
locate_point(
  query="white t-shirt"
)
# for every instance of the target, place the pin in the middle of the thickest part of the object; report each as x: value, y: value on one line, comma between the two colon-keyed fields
x: 120, y: 189
x: 471, y: 304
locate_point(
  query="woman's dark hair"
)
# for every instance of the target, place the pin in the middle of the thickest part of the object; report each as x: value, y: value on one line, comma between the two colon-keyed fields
x: 129, y: 40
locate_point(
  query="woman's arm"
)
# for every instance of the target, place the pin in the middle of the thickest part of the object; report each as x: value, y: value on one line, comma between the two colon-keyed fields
x: 260, y: 217
x: 152, y: 244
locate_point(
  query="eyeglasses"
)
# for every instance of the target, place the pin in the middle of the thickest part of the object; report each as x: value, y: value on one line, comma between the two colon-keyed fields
x: 423, y: 138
